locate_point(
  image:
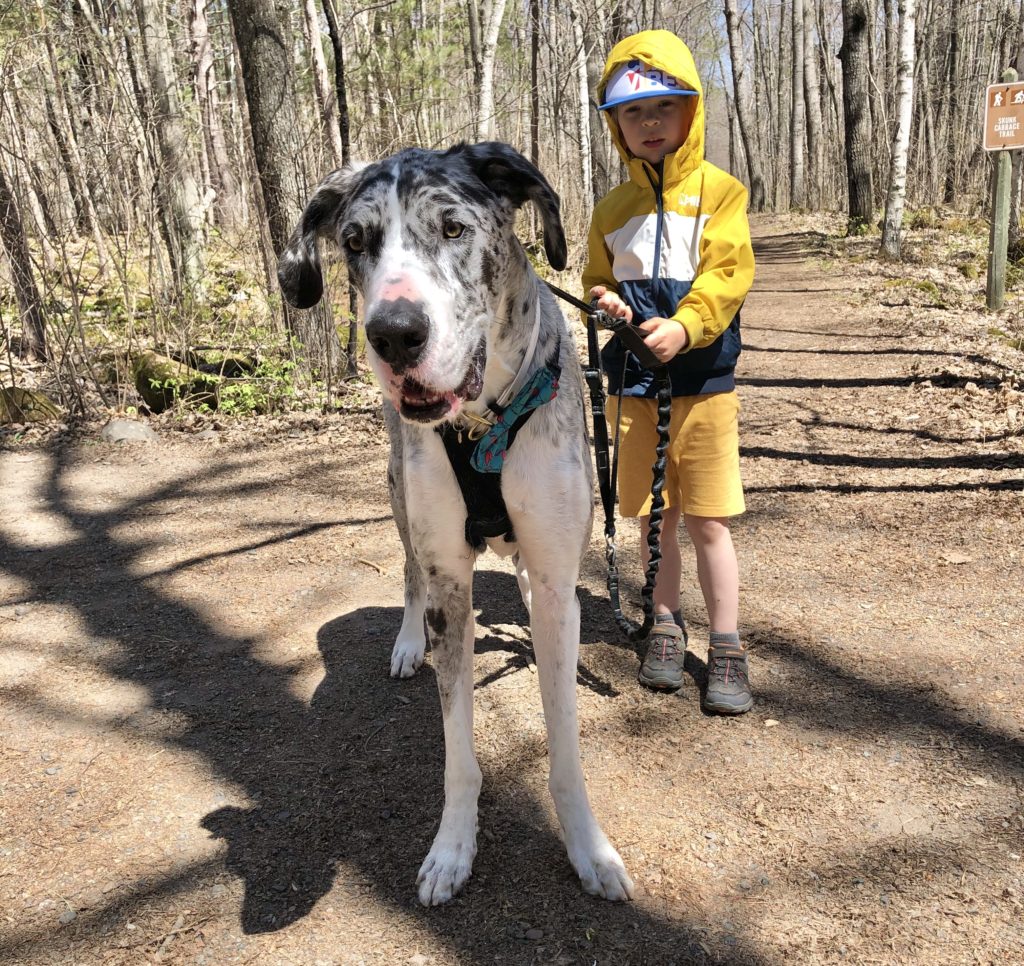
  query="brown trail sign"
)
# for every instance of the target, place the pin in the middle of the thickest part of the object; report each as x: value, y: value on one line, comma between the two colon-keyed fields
x: 1004, y: 116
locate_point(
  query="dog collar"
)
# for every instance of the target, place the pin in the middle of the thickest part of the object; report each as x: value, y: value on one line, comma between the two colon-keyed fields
x: 476, y: 425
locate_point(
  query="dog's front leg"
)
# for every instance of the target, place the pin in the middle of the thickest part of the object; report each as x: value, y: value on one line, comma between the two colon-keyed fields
x: 407, y: 654
x: 556, y: 636
x: 450, y: 622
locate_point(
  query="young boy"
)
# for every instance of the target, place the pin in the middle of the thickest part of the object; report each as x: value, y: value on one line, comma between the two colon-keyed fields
x: 670, y: 251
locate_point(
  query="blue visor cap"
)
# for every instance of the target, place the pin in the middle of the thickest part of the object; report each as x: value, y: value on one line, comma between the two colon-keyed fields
x: 636, y: 80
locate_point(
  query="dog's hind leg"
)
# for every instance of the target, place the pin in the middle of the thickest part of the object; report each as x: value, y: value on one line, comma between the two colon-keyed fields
x: 450, y: 619
x: 556, y: 636
x: 407, y: 654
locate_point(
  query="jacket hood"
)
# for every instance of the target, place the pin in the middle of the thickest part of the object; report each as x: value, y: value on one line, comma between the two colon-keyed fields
x: 663, y: 50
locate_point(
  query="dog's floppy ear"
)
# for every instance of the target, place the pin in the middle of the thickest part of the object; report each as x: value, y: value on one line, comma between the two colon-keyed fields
x: 298, y: 269
x: 509, y: 175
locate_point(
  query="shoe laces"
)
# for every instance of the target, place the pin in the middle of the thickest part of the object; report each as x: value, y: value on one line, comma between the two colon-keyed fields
x: 665, y: 646
x: 728, y: 665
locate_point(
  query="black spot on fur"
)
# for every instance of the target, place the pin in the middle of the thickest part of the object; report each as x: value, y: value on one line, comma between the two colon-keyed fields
x: 487, y: 270
x: 436, y: 620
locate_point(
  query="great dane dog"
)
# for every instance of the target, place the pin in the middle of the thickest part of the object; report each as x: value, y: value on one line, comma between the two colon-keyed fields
x: 456, y: 320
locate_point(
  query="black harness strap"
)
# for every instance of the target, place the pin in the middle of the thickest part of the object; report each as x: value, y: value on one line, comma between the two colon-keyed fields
x: 486, y: 513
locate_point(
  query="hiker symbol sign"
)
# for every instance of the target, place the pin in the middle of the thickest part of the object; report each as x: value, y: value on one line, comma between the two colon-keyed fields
x: 1004, y: 116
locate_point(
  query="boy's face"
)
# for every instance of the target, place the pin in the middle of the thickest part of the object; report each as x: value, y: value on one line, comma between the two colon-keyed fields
x: 653, y: 127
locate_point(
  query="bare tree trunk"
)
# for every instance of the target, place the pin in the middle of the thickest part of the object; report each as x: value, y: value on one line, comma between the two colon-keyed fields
x: 341, y: 87
x: 222, y: 176
x: 264, y: 52
x: 766, y: 100
x: 797, y: 180
x: 67, y: 144
x: 326, y: 102
x: 535, y: 82
x: 1015, y: 173
x: 812, y: 93
x: 857, y: 114
x: 12, y: 234
x: 744, y: 116
x: 21, y: 158
x: 177, y: 187
x: 493, y: 11
x: 602, y: 153
x: 901, y: 142
x: 476, y: 57
x: 582, y: 114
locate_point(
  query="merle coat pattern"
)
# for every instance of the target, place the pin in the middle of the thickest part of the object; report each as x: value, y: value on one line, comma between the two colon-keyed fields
x: 450, y: 303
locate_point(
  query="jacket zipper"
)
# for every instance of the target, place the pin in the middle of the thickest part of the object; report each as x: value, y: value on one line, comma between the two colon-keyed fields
x: 659, y: 201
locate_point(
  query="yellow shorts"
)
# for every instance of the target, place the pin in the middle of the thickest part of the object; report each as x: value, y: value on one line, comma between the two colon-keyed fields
x: 702, y: 472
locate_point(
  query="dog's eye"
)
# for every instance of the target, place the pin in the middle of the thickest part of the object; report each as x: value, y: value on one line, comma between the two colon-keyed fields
x: 452, y: 229
x: 354, y: 243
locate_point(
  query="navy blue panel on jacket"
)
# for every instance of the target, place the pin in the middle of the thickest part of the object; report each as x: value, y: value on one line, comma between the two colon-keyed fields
x: 693, y: 373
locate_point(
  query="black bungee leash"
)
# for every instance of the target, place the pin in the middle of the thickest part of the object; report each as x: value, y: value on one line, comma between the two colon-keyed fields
x: 607, y: 469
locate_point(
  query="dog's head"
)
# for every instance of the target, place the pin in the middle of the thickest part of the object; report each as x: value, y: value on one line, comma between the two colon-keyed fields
x: 429, y: 241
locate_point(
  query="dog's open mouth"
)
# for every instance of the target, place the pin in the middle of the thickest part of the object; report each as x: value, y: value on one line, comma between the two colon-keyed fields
x: 422, y: 404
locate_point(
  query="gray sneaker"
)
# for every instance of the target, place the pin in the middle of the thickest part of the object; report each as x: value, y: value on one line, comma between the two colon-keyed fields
x: 728, y: 690
x: 662, y: 668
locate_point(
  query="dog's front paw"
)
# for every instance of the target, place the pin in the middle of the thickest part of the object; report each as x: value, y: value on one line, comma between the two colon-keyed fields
x: 406, y: 657
x: 602, y: 873
x: 445, y: 871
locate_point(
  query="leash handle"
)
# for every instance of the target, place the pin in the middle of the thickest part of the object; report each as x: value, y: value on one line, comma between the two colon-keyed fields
x: 632, y: 336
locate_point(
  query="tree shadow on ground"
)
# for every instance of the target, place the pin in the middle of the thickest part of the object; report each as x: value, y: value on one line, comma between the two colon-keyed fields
x: 959, y: 461
x: 832, y: 699
x: 344, y: 792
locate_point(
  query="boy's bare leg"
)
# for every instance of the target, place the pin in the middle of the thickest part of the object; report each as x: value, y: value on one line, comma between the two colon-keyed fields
x: 717, y: 570
x: 728, y: 684
x: 670, y: 570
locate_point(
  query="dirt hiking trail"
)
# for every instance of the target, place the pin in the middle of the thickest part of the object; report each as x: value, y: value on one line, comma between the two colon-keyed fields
x: 204, y: 761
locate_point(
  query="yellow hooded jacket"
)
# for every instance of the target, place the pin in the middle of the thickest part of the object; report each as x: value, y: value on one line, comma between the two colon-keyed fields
x: 673, y: 243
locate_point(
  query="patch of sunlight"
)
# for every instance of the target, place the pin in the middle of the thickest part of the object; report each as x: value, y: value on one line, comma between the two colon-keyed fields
x: 24, y: 477
x: 18, y: 666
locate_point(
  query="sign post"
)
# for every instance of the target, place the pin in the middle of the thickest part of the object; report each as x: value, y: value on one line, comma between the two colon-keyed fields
x: 1004, y: 132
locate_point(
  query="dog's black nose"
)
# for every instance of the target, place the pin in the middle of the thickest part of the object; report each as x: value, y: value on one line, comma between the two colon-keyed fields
x: 398, y: 331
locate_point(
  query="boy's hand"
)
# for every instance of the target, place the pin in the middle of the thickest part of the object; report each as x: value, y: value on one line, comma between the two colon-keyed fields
x: 610, y: 302
x: 666, y: 338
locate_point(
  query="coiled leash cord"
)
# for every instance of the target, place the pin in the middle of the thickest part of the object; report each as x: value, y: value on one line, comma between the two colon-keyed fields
x: 607, y: 470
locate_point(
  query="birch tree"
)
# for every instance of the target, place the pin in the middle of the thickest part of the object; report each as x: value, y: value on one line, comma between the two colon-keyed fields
x: 492, y: 14
x: 582, y: 113
x: 891, y: 231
